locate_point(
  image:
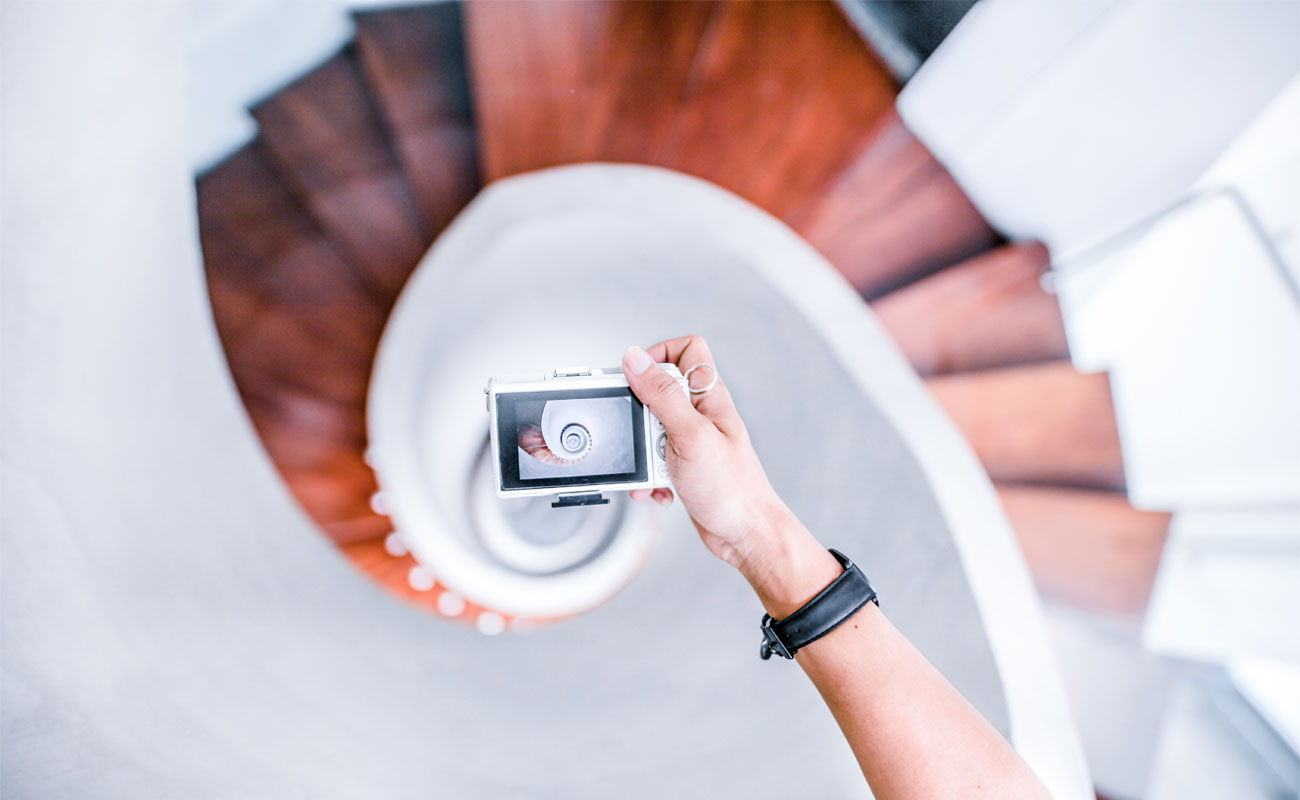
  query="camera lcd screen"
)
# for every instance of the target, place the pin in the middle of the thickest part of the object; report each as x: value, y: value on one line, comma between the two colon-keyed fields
x: 576, y: 437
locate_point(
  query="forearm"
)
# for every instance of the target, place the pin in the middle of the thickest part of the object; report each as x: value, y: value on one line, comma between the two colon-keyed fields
x: 913, y: 734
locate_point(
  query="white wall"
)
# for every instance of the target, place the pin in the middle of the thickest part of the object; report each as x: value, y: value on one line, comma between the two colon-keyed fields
x: 1154, y: 145
x: 1070, y: 122
x: 1091, y: 126
x: 242, y: 51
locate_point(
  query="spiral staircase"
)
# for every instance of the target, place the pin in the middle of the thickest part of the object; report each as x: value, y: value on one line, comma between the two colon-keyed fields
x: 310, y: 231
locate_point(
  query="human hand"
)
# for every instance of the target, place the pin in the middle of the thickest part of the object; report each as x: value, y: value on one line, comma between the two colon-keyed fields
x: 714, y: 468
x: 741, y: 520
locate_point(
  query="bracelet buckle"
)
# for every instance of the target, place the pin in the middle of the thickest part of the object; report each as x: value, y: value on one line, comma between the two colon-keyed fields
x: 843, y: 598
x: 772, y: 641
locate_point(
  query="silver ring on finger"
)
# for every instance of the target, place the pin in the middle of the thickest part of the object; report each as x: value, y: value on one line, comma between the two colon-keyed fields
x: 712, y: 382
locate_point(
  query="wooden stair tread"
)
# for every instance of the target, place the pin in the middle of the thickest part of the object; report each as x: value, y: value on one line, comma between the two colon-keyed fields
x: 280, y: 355
x: 779, y: 100
x: 317, y: 446
x: 299, y: 330
x: 288, y: 308
x: 1087, y: 548
x: 989, y: 311
x: 566, y: 82
x: 1042, y: 424
x: 893, y: 215
x: 236, y: 305
x: 266, y: 243
x: 324, y: 137
x: 413, y: 61
x: 368, y: 527
x: 309, y: 414
x: 886, y: 163
x: 769, y: 100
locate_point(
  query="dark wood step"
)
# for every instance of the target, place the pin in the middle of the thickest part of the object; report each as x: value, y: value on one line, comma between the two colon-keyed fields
x: 368, y: 527
x: 1089, y: 549
x: 893, y: 215
x: 1039, y: 424
x: 325, y: 139
x: 287, y: 307
x: 780, y: 98
x: 885, y: 164
x: 769, y: 100
x: 989, y: 311
x: 270, y: 265
x: 317, y: 446
x: 299, y: 329
x: 566, y: 82
x: 310, y: 430
x: 236, y: 298
x: 413, y: 61
x: 309, y: 413
x: 279, y: 354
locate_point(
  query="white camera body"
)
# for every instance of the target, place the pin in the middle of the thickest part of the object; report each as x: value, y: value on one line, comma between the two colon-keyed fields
x: 574, y: 432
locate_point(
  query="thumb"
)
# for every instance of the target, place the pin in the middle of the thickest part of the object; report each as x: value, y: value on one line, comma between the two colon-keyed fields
x: 661, y: 393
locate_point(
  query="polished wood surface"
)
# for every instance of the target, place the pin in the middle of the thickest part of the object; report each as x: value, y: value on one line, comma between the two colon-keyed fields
x: 299, y: 327
x: 769, y: 100
x: 276, y: 274
x: 572, y: 80
x: 893, y: 214
x: 413, y: 61
x: 780, y: 102
x: 780, y: 98
x: 1089, y: 549
x: 309, y: 232
x: 324, y: 136
x: 1043, y: 423
x: 989, y: 311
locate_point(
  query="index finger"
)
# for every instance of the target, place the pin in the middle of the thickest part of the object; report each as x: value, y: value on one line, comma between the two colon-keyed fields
x: 715, y: 404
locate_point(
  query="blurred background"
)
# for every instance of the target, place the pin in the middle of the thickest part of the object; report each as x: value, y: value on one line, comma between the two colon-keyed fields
x: 1079, y: 224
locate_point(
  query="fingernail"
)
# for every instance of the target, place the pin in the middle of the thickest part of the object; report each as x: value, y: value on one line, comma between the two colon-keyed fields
x: 663, y: 501
x: 637, y: 360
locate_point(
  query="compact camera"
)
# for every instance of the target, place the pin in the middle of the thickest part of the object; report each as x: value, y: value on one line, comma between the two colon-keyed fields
x: 575, y: 432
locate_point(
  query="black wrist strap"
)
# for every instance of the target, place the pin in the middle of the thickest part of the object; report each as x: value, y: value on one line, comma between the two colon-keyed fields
x: 820, y: 615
